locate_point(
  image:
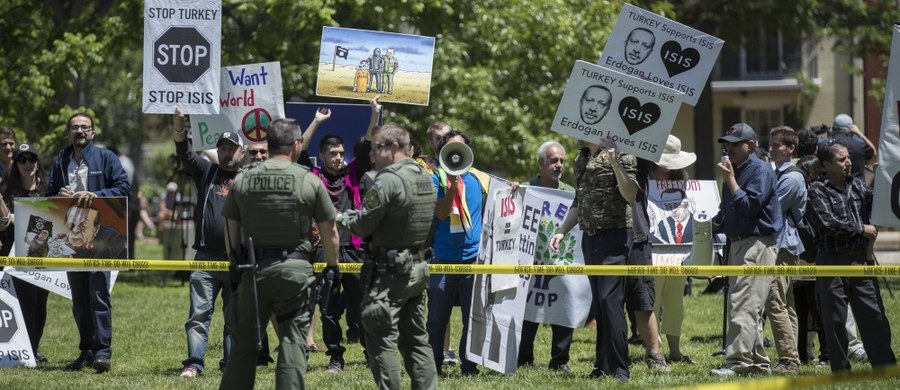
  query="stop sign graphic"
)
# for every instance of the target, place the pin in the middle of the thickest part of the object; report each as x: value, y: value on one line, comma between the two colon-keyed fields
x: 181, y: 54
x: 8, y: 324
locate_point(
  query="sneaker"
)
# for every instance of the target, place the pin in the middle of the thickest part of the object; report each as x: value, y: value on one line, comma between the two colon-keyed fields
x: 335, y: 367
x: 190, y: 372
x: 450, y: 358
x: 786, y: 368
x: 636, y: 340
x: 722, y: 371
x: 823, y: 363
x: 657, y: 362
x: 859, y: 355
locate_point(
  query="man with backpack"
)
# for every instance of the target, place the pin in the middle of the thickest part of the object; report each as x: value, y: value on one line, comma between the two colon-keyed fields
x: 791, y: 192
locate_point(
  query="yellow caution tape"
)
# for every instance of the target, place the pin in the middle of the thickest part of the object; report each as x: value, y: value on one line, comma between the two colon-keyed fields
x: 605, y: 270
x: 786, y: 382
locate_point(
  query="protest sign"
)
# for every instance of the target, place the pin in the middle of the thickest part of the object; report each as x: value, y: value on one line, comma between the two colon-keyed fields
x: 640, y: 114
x: 672, y: 205
x: 252, y: 97
x: 358, y: 64
x: 663, y: 51
x: 886, y: 209
x: 182, y: 50
x: 348, y: 121
x: 15, y: 347
x: 58, y: 227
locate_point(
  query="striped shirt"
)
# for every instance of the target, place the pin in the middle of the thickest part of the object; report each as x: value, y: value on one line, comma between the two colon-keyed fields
x: 838, y: 214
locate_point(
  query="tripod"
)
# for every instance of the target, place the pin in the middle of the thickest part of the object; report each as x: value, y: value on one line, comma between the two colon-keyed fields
x: 723, y: 260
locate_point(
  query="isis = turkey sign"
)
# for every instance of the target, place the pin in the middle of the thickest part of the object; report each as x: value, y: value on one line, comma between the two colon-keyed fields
x: 182, y: 50
x: 601, y: 103
x: 646, y: 45
x: 252, y: 97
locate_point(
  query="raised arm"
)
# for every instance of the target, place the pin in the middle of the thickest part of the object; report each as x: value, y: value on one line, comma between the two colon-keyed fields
x: 322, y: 115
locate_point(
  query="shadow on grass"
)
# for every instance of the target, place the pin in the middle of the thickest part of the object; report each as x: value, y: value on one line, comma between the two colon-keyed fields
x: 707, y: 339
x: 151, y: 278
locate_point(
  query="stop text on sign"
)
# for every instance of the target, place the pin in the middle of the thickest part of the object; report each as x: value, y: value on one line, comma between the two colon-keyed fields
x: 183, y: 13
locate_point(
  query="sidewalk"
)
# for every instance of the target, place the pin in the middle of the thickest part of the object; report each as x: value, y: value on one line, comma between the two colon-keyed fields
x: 887, y: 248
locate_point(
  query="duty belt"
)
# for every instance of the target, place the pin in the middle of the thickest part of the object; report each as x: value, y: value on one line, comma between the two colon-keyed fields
x: 266, y: 256
x: 416, y: 254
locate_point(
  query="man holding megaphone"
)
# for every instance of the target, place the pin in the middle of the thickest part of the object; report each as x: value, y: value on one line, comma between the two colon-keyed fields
x: 461, y: 196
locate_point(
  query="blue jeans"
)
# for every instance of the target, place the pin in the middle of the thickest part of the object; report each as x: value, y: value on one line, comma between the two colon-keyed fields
x: 92, y: 309
x: 443, y: 291
x: 204, y: 287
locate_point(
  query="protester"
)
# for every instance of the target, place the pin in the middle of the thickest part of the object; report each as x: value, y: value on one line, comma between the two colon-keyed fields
x: 605, y: 188
x: 860, y: 148
x: 85, y: 171
x: 26, y: 179
x: 791, y: 192
x: 7, y: 149
x: 551, y: 158
x: 841, y: 206
x: 749, y: 216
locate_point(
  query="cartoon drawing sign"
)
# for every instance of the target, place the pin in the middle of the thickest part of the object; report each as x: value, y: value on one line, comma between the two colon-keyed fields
x: 358, y: 64
x: 887, y: 178
x: 182, y: 52
x: 673, y: 205
x: 59, y: 227
x: 651, y: 47
x: 252, y: 96
x: 602, y: 103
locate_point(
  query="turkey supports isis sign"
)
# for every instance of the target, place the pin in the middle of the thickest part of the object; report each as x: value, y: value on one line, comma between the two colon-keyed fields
x: 601, y: 103
x: 182, y: 50
x: 252, y: 96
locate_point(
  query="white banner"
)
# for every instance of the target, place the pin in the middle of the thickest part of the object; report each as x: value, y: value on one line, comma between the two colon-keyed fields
x: 15, y: 347
x: 886, y: 208
x: 252, y: 97
x: 651, y: 47
x: 600, y: 102
x: 182, y: 53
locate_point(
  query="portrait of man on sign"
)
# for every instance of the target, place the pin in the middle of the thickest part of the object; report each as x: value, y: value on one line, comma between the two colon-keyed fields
x: 595, y: 102
x: 639, y: 45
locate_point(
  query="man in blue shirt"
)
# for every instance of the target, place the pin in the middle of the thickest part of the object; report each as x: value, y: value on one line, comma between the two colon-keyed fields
x: 749, y: 216
x: 457, y: 234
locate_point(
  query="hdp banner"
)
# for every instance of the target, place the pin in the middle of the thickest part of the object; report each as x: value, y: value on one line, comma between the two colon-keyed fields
x: 886, y: 210
x: 252, y: 97
x: 182, y: 53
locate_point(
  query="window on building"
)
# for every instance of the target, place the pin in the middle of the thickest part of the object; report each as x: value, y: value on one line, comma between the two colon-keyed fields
x: 763, y: 54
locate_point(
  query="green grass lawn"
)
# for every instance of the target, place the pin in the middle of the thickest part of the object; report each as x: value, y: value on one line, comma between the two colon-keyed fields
x: 149, y: 345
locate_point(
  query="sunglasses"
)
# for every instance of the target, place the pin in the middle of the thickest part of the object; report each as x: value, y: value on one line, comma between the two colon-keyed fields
x: 255, y: 152
x: 27, y: 160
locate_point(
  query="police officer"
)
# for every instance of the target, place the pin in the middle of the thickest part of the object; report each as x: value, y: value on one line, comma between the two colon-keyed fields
x: 276, y: 203
x: 397, y: 213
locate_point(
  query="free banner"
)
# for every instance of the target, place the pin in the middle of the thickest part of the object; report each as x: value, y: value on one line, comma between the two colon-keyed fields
x: 58, y: 227
x: 672, y: 206
x: 358, y: 64
x: 15, y: 347
x: 602, y: 103
x: 252, y: 97
x: 663, y: 51
x: 886, y: 205
x: 182, y: 53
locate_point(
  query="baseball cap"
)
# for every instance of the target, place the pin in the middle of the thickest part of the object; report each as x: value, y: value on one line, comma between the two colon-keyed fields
x: 172, y: 186
x: 737, y: 133
x: 231, y: 136
x: 842, y: 122
x: 25, y: 148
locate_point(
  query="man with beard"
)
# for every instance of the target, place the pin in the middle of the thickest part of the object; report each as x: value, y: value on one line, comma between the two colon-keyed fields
x: 376, y: 65
x: 213, y: 181
x: 85, y: 171
x: 551, y: 160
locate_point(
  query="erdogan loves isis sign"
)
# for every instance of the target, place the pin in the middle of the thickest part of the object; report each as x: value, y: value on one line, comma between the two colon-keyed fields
x: 601, y: 103
x: 651, y: 47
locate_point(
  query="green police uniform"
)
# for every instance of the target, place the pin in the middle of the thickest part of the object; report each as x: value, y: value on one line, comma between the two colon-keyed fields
x: 397, y: 213
x: 276, y: 204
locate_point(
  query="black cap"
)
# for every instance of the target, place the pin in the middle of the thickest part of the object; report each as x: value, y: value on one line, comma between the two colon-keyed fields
x: 737, y: 133
x: 25, y: 148
x: 231, y: 136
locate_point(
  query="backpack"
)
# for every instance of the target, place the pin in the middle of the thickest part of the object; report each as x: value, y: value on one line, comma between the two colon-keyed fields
x: 804, y: 229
